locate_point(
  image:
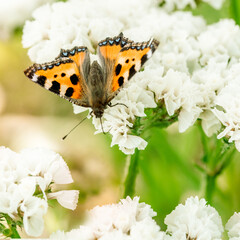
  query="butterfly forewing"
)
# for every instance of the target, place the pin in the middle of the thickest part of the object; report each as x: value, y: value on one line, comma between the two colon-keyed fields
x: 130, y: 60
x: 60, y: 76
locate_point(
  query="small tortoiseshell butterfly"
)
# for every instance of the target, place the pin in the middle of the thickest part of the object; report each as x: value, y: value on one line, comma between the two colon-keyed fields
x: 73, y: 77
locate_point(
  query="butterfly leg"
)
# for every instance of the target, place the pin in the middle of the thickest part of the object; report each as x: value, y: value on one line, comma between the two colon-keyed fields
x: 102, y: 126
x: 113, y: 105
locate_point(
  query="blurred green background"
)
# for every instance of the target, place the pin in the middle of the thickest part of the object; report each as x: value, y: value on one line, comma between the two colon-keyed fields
x: 32, y: 116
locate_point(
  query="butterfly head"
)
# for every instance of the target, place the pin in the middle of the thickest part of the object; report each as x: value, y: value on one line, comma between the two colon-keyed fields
x: 98, y: 112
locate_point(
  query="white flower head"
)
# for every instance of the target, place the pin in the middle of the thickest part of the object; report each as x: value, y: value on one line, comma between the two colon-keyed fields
x: 195, y: 219
x: 27, y: 175
x: 47, y: 164
x: 233, y: 226
x: 19, y: 10
x: 127, y: 220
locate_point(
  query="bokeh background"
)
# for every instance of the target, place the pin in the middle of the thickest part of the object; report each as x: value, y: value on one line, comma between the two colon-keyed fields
x: 31, y: 116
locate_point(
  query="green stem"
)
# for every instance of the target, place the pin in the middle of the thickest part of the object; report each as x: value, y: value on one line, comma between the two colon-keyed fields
x: 131, y: 175
x: 211, y: 180
x: 221, y: 161
x: 204, y: 143
x: 235, y: 10
x: 12, y: 231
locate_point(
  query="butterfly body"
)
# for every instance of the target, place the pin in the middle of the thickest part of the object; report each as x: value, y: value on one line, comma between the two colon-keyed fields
x: 73, y: 77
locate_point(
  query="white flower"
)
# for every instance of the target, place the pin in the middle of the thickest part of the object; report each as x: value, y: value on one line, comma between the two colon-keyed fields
x: 47, y: 164
x: 210, y: 123
x: 19, y: 10
x: 83, y: 233
x: 34, y: 208
x: 67, y: 198
x: 233, y: 226
x: 26, y: 173
x: 196, y: 220
x: 227, y: 111
x: 127, y: 220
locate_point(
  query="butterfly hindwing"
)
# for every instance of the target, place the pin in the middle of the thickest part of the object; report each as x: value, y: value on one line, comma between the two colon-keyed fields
x: 61, y: 76
x: 130, y: 60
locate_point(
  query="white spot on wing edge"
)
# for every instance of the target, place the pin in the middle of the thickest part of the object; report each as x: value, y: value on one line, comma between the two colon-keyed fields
x: 63, y: 90
x: 48, y: 84
x: 149, y: 54
x: 34, y: 78
x: 137, y: 66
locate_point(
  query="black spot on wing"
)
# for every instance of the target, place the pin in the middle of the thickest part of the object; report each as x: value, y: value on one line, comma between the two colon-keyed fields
x: 127, y: 61
x: 74, y: 79
x: 144, y: 59
x: 41, y: 80
x: 55, y: 87
x: 69, y: 92
x: 132, y: 71
x: 55, y: 75
x: 118, y: 69
x: 63, y: 74
x: 120, y: 81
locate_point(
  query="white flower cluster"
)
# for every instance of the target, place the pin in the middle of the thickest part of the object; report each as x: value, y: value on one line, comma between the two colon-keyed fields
x: 193, y: 70
x: 171, y: 5
x: 13, y: 13
x: 31, y: 172
x: 233, y: 227
x: 131, y: 220
x: 127, y: 220
x: 194, y: 220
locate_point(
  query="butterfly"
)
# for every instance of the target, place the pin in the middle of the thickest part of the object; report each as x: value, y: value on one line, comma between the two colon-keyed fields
x: 72, y: 76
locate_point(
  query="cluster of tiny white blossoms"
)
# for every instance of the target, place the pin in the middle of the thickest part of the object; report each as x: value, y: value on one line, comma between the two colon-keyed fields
x: 192, y: 71
x: 13, y: 13
x: 131, y: 220
x: 26, y: 179
x: 127, y: 220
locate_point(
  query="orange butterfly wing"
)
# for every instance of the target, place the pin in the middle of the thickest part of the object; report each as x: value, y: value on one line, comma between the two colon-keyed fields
x: 64, y: 76
x: 130, y: 60
x: 122, y: 58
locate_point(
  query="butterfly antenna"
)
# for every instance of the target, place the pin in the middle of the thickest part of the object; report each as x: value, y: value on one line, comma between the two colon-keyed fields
x: 74, y: 128
x: 102, y: 126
